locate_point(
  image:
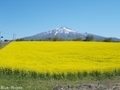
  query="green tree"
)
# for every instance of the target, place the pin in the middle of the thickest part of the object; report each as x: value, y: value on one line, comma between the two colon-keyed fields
x: 55, y: 38
x: 21, y: 39
x: 89, y: 38
x: 108, y: 39
x: 77, y: 39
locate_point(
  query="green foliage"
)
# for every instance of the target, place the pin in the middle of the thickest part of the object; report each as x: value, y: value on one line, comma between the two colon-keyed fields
x: 6, y: 40
x: 108, y: 39
x: 89, y: 38
x: 77, y: 39
x: 56, y: 38
x: 21, y: 39
x: 48, y: 39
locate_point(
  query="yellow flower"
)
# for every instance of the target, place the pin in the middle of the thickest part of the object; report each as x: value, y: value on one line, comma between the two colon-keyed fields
x: 61, y: 57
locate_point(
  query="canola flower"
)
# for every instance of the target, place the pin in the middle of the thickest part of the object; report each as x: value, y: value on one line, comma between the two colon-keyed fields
x: 61, y: 57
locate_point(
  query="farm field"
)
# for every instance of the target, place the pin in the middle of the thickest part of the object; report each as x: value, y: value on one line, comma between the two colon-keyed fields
x: 61, y: 57
x: 43, y: 65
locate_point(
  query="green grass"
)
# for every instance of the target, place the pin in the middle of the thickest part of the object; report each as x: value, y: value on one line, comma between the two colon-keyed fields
x: 21, y: 74
x: 36, y: 81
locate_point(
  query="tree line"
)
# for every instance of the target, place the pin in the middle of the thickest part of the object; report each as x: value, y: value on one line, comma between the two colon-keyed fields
x: 56, y: 38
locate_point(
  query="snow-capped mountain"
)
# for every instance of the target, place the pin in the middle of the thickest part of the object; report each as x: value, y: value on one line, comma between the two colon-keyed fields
x: 63, y: 33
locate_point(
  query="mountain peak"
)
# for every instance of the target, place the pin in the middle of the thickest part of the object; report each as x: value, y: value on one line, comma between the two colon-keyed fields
x: 64, y: 30
x: 64, y: 27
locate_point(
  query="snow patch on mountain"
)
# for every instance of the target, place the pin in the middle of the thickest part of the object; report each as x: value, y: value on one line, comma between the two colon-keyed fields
x: 61, y: 30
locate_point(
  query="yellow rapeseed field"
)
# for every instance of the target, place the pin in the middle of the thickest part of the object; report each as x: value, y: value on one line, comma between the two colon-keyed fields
x: 61, y: 57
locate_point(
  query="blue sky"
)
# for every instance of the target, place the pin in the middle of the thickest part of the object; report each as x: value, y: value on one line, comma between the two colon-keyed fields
x: 29, y: 17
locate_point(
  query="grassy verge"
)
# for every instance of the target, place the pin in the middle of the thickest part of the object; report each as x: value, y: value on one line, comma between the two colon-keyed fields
x: 16, y: 79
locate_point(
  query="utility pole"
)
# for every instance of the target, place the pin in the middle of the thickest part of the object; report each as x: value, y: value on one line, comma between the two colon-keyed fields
x: 14, y: 36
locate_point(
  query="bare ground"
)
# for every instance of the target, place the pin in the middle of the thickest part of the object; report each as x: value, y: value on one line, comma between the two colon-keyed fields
x: 108, y: 84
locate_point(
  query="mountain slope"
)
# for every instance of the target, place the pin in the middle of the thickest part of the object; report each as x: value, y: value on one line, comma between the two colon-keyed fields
x: 64, y: 33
